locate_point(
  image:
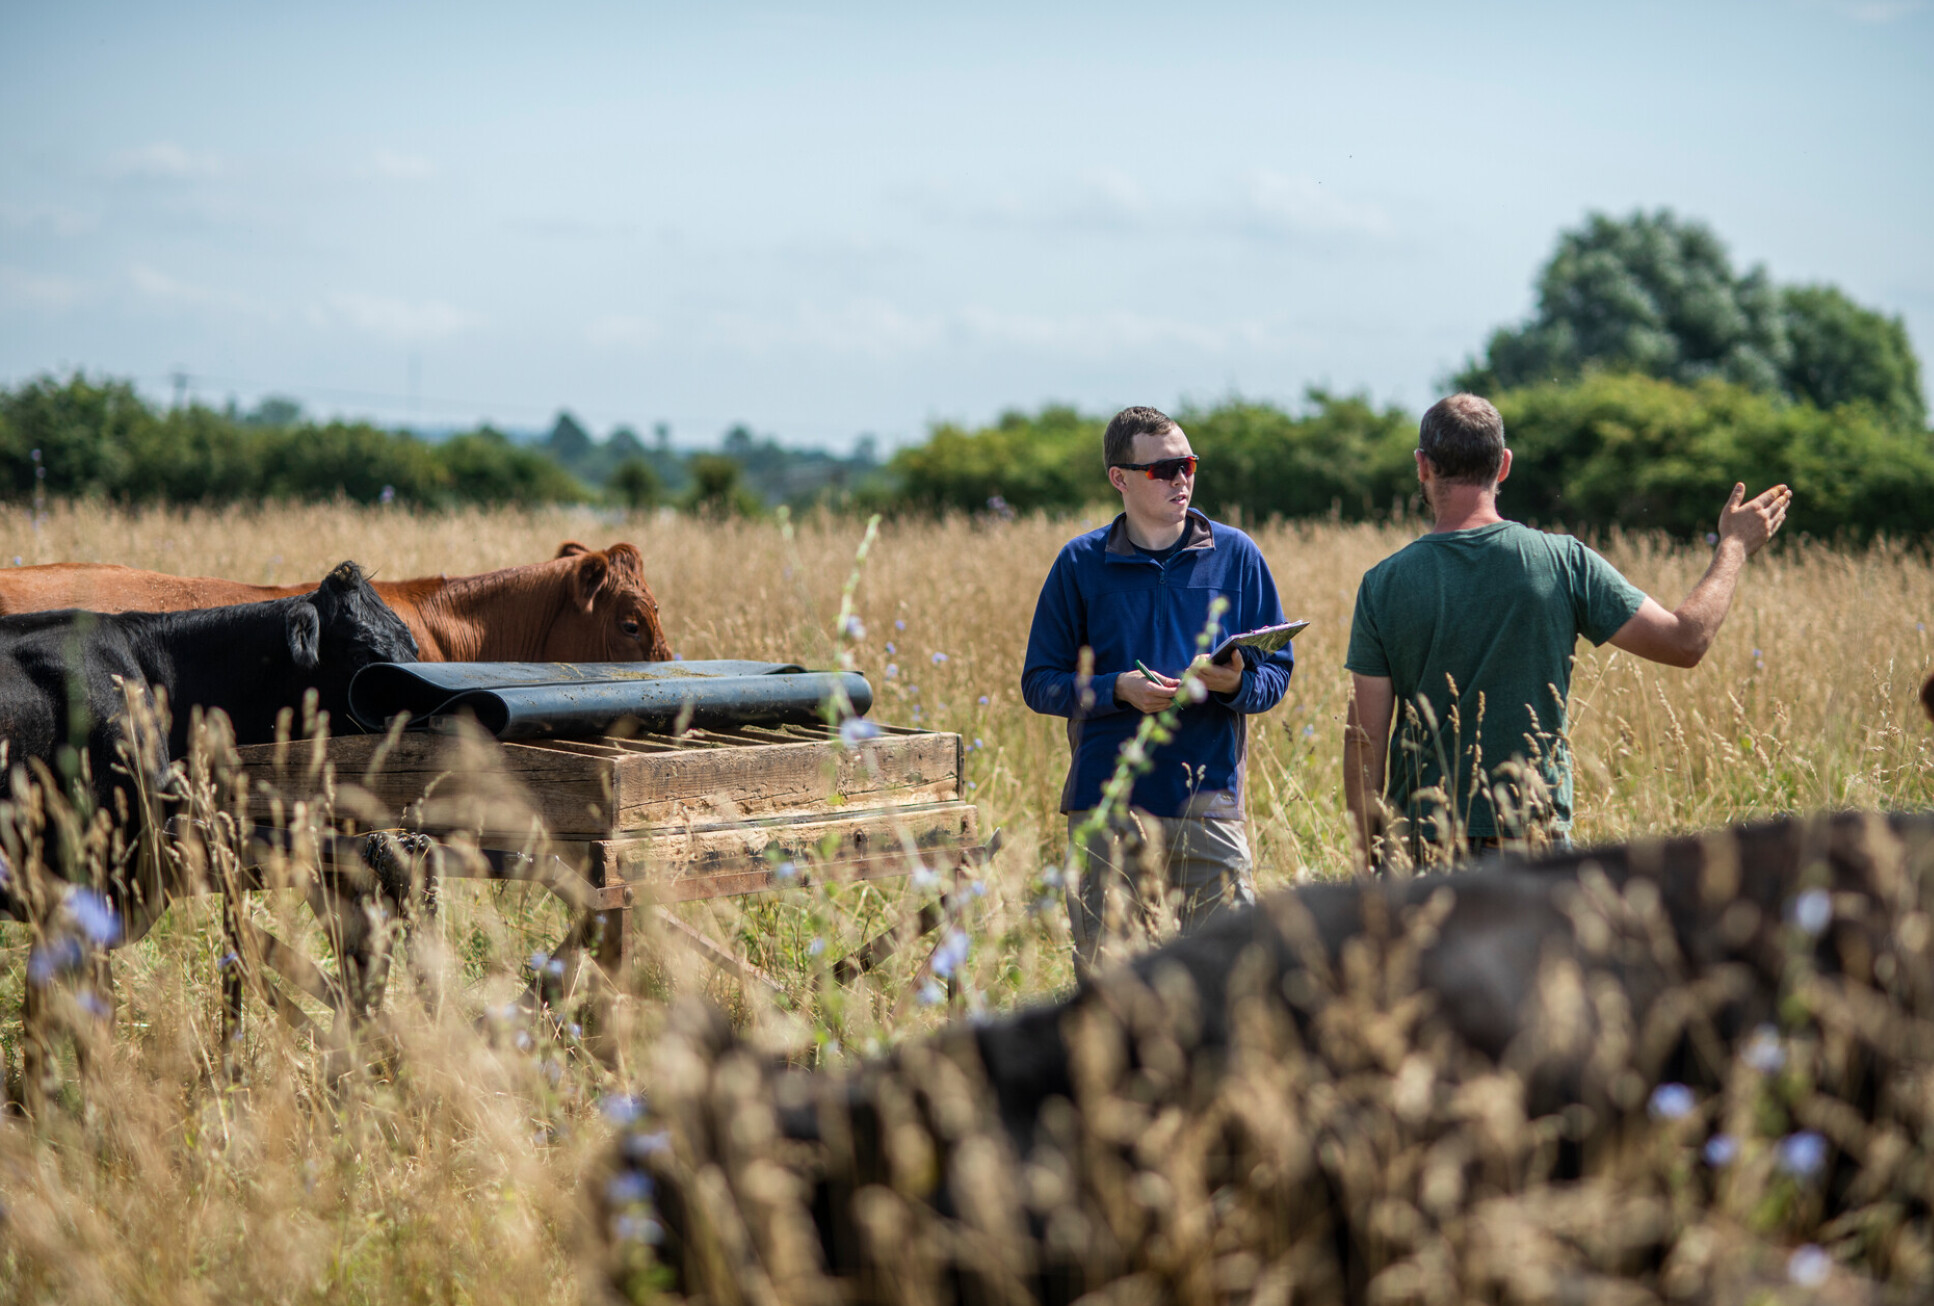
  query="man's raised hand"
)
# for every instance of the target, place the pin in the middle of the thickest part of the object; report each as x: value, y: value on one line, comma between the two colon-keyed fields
x: 1754, y: 521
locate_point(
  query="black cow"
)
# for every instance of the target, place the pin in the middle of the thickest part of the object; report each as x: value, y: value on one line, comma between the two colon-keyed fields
x: 1352, y: 1083
x: 60, y: 702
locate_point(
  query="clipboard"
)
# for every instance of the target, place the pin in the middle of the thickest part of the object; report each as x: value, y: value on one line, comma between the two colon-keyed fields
x: 1264, y: 639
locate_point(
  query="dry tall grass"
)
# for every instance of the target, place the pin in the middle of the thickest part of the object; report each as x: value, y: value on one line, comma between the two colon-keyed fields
x: 458, y: 1176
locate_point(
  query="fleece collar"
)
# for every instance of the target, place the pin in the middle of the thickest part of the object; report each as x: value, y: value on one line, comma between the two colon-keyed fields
x: 1195, y: 535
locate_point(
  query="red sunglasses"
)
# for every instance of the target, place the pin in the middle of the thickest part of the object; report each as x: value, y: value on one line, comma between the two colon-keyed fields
x: 1166, y: 469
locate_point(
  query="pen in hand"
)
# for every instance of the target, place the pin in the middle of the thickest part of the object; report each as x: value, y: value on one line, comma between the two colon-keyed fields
x: 1147, y: 675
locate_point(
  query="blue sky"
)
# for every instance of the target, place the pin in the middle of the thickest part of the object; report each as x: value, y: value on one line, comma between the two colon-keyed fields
x: 833, y: 220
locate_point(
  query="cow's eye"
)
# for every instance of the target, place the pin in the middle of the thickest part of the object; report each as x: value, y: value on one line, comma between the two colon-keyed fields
x: 628, y: 626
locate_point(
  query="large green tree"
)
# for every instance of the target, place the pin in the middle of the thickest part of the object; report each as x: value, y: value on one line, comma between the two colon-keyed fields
x: 1657, y: 295
x: 1840, y: 353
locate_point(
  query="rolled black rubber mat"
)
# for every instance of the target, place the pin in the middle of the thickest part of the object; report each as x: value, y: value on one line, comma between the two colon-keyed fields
x: 562, y: 700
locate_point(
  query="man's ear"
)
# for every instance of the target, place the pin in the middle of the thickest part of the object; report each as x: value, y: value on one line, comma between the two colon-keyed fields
x: 1504, y: 469
x: 305, y: 636
x: 1119, y: 479
x: 589, y: 579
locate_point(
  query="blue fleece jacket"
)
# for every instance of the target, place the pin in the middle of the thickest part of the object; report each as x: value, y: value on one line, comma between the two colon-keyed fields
x: 1104, y: 593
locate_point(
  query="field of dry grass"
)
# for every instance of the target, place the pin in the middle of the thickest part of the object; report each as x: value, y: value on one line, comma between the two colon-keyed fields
x: 458, y: 1175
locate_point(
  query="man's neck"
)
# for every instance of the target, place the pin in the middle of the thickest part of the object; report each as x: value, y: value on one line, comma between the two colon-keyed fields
x: 1464, y: 507
x: 1156, y: 536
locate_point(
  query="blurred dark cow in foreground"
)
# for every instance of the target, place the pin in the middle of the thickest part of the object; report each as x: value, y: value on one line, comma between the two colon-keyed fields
x: 69, y: 679
x: 581, y: 606
x: 1692, y: 1068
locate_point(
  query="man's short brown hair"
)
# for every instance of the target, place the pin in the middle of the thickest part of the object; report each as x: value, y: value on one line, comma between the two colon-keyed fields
x: 1463, y: 436
x: 1118, y: 442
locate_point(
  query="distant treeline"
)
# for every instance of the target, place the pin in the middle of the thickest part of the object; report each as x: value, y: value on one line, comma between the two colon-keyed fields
x: 82, y: 437
x: 86, y: 438
x: 1606, y: 450
x: 1650, y: 377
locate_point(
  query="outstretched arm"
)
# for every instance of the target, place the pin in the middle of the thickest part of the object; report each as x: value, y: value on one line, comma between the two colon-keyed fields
x: 1680, y: 638
x: 1366, y: 749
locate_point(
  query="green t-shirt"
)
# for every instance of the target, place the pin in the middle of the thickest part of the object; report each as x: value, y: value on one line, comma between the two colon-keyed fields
x: 1482, y: 624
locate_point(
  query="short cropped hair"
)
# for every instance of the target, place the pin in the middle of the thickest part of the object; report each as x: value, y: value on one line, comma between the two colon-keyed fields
x: 1463, y: 436
x: 1118, y: 442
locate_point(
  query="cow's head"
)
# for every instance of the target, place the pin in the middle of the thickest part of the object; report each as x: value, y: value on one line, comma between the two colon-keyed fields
x: 344, y: 626
x: 608, y: 613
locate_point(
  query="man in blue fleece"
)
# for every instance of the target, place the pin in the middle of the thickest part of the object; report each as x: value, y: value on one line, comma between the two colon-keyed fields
x: 1139, y: 590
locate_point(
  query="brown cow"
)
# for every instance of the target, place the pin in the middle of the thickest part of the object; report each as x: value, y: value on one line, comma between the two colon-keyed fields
x: 581, y: 606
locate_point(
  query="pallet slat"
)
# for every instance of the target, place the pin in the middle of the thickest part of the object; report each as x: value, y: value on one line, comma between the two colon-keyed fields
x: 607, y: 788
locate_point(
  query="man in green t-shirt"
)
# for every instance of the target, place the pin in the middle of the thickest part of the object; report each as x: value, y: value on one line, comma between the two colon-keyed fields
x: 1465, y: 637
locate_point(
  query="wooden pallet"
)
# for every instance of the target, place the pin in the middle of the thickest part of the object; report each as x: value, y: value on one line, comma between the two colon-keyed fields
x: 705, y: 814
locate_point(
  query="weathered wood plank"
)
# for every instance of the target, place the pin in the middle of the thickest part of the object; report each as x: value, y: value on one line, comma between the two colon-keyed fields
x: 680, y: 864
x: 605, y: 788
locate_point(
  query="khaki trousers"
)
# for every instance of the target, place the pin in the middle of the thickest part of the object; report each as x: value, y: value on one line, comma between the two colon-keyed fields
x: 1138, y: 879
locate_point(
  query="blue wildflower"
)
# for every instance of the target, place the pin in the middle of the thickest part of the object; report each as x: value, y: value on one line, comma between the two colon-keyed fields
x: 628, y: 1187
x: 1809, y: 1266
x: 60, y: 956
x: 1721, y: 1150
x: 638, y: 1229
x: 1813, y: 911
x: 640, y: 1146
x: 96, y: 918
x: 1802, y: 1154
x: 621, y: 1108
x: 1763, y: 1051
x: 1670, y: 1102
x: 855, y: 731
x: 951, y: 955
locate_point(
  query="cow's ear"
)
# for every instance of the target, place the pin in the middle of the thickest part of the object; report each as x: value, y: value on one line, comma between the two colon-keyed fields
x: 626, y: 560
x: 591, y: 573
x: 570, y: 549
x: 305, y: 636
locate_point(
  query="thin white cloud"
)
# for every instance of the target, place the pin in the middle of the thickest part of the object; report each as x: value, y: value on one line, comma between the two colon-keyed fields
x: 879, y: 330
x: 622, y: 332
x: 1875, y: 12
x: 165, y: 161
x: 49, y: 218
x: 401, y: 167
x: 1094, y: 199
x: 1091, y: 336
x: 571, y: 228
x: 401, y: 320
x: 1305, y: 206
x: 39, y: 289
x: 162, y: 288
x: 1261, y: 202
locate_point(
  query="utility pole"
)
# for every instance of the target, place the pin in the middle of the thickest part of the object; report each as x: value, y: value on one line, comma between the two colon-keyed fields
x: 181, y: 387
